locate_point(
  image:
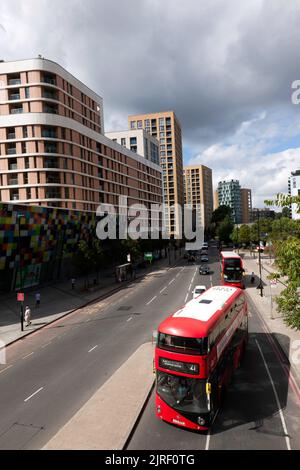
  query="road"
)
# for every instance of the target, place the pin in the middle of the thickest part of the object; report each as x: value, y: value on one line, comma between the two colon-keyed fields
x: 261, y: 408
x: 51, y: 374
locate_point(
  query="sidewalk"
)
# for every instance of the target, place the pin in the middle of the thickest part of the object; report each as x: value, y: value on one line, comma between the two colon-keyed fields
x: 58, y: 300
x: 287, y: 337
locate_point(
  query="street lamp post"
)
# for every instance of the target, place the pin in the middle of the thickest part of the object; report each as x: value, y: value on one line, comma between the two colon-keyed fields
x: 20, y: 271
x: 259, y: 257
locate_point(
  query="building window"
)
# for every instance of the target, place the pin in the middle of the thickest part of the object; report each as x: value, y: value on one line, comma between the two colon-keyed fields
x: 27, y: 92
x: 140, y: 124
x: 133, y: 125
x: 123, y: 141
x: 11, y: 133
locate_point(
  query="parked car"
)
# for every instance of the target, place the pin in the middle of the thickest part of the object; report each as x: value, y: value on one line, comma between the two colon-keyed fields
x: 204, y: 259
x: 198, y: 291
x: 204, y: 270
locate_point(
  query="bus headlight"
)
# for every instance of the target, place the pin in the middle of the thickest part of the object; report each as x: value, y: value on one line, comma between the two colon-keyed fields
x: 201, y: 421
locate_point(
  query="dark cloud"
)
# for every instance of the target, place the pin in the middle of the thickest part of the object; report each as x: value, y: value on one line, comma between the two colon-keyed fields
x: 217, y: 64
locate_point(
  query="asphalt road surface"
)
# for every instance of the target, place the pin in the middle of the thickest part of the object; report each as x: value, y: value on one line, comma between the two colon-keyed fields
x: 261, y: 408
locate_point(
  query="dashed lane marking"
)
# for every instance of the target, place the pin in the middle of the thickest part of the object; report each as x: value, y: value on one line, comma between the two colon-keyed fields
x: 162, y: 289
x: 153, y: 298
x: 3, y: 370
x: 27, y: 355
x: 92, y: 349
x: 32, y: 395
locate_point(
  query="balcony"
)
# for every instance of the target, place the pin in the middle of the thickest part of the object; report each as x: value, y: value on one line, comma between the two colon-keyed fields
x: 50, y: 95
x: 49, y: 133
x: 53, y: 193
x: 50, y: 149
x: 14, y: 96
x: 17, y: 110
x: 51, y: 163
x: 50, y: 109
x: 49, y: 79
x: 14, y: 81
x: 12, y: 166
x: 11, y: 151
x: 13, y: 181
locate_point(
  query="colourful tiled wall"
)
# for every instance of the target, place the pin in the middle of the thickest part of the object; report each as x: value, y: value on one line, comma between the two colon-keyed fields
x: 41, y: 229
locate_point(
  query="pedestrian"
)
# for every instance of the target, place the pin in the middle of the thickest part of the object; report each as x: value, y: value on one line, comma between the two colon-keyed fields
x: 37, y: 299
x: 73, y: 280
x: 27, y: 316
x: 252, y: 277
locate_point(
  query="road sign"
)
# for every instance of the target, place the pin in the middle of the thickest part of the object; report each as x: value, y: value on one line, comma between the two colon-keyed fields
x: 20, y: 297
x: 148, y: 256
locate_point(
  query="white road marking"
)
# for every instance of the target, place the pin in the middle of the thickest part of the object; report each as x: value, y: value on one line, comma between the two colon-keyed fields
x: 211, y: 281
x: 207, y: 440
x: 162, y: 289
x: 47, y: 344
x: 129, y: 319
x: 92, y: 349
x: 27, y: 355
x: 3, y: 370
x: 171, y: 281
x: 186, y: 297
x: 153, y: 298
x: 28, y: 398
x: 287, y: 439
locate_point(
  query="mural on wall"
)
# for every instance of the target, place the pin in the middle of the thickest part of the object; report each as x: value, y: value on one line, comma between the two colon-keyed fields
x: 45, y: 234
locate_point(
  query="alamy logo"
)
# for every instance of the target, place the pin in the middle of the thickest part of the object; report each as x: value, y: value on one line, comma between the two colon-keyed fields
x: 139, y: 221
x: 2, y: 352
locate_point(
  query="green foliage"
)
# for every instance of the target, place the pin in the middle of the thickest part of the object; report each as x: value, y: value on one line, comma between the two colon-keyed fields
x: 289, y: 304
x: 241, y: 234
x: 220, y: 214
x: 225, y: 229
x: 288, y: 262
x: 284, y: 200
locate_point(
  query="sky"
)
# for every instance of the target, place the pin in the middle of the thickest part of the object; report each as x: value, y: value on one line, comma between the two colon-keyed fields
x: 226, y: 68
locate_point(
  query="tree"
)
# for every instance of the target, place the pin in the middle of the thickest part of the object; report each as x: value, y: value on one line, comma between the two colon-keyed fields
x: 220, y: 214
x: 225, y: 229
x: 241, y: 234
x: 288, y: 262
x: 284, y: 200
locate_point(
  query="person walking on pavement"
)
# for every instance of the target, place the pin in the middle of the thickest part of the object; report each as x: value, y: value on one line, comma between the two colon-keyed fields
x: 37, y: 299
x: 27, y: 316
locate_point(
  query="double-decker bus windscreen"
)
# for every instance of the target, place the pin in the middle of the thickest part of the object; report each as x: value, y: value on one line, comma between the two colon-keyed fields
x: 193, y: 346
x: 182, y: 393
x: 232, y: 263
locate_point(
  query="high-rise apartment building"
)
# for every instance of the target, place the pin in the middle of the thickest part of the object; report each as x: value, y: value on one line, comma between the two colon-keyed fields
x: 138, y: 141
x: 53, y: 149
x: 294, y: 190
x: 229, y: 194
x: 198, y: 191
x: 246, y: 205
x: 166, y: 128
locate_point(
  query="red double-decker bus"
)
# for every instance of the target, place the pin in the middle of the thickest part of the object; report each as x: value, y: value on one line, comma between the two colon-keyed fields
x: 197, y: 350
x: 232, y: 270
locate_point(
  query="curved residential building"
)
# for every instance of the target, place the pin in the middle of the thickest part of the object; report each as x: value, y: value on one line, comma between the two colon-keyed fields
x: 53, y: 149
